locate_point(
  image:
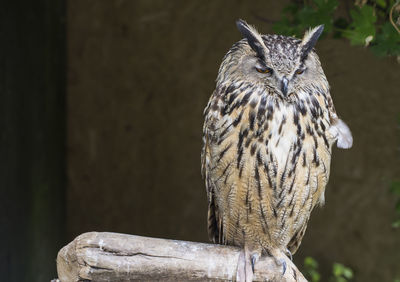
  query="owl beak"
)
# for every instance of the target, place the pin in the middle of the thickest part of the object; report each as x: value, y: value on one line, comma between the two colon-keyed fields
x: 284, y: 86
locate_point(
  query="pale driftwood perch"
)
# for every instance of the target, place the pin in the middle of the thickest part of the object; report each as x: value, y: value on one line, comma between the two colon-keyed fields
x: 105, y: 256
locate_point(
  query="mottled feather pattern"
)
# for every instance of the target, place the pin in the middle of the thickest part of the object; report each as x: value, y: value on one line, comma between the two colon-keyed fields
x: 266, y: 153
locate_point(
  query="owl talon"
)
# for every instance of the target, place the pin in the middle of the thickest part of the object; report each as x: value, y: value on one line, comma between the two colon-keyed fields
x: 245, y: 267
x: 281, y: 262
x: 254, y: 258
x: 290, y: 254
x: 283, y: 266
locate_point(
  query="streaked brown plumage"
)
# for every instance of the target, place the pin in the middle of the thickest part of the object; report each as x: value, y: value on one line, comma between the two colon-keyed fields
x: 268, y: 133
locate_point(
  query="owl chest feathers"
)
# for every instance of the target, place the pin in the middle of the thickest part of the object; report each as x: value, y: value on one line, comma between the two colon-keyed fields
x: 269, y: 162
x: 255, y: 119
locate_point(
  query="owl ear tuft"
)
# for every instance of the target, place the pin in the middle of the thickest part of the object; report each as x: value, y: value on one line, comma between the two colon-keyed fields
x: 309, y: 40
x: 253, y: 38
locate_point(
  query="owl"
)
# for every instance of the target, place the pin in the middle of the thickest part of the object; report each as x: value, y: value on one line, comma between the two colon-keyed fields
x: 268, y: 134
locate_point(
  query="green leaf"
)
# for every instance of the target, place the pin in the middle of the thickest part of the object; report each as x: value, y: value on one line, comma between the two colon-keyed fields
x: 348, y: 273
x: 285, y: 27
x: 387, y: 43
x: 310, y: 263
x: 315, y: 276
x: 396, y: 224
x: 381, y: 3
x: 321, y: 13
x: 297, y: 18
x: 341, y: 272
x: 311, y: 266
x: 395, y: 187
x: 337, y: 269
x: 288, y: 25
x: 362, y: 27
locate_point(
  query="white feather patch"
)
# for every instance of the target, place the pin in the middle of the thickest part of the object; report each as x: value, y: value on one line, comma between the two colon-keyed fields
x: 342, y: 133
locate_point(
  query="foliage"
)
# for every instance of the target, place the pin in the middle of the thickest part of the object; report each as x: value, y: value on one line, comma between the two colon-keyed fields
x: 296, y: 19
x: 368, y: 23
x: 340, y: 273
x: 387, y: 42
x: 311, y: 269
x: 362, y: 26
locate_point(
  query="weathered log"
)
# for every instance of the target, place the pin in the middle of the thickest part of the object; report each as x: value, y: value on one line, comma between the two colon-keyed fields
x: 106, y: 256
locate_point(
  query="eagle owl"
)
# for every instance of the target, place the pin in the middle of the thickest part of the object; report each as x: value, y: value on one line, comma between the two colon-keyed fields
x: 267, y: 140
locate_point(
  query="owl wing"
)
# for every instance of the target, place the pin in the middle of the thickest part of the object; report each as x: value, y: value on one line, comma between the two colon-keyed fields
x: 213, y: 219
x: 295, y: 242
x: 231, y: 164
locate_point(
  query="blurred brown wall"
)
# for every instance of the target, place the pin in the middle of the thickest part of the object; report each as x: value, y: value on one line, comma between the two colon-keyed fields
x: 140, y: 74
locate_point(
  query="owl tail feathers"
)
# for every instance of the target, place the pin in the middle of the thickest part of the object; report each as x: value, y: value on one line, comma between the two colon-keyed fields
x: 343, y: 134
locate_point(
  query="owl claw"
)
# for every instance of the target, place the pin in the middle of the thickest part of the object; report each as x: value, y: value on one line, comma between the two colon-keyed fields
x: 283, y: 266
x: 252, y: 263
x: 281, y: 262
x: 245, y: 267
x: 290, y: 254
x: 254, y: 258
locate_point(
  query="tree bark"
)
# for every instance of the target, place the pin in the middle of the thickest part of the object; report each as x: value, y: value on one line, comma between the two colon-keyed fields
x: 106, y: 256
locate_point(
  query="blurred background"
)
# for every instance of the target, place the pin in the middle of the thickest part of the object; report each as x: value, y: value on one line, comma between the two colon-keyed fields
x: 101, y: 123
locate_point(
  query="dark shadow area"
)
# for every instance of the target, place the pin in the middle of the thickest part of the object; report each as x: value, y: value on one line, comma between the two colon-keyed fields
x: 32, y: 148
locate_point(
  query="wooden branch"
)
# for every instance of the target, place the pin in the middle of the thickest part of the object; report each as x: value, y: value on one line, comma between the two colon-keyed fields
x: 105, y: 256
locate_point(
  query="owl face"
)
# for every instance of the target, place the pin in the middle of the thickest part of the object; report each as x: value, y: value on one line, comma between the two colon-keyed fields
x: 280, y: 63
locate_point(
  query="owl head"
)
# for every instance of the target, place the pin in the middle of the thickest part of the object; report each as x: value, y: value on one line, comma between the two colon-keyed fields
x: 281, y: 63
